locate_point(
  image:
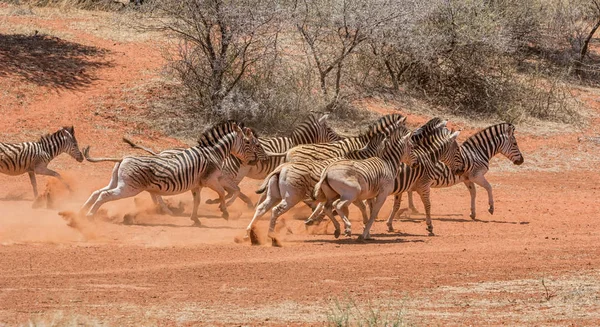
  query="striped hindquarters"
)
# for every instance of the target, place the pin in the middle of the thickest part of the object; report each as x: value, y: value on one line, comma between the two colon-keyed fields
x: 16, y: 159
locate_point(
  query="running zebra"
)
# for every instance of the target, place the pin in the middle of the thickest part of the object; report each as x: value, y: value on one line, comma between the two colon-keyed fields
x: 476, y: 153
x: 439, y: 145
x: 187, y: 170
x: 34, y: 157
x: 422, y: 136
x: 293, y: 182
x: 312, y: 130
x: 385, y: 124
x: 347, y: 181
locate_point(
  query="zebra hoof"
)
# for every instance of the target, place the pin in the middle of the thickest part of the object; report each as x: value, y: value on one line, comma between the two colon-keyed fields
x: 209, y: 201
x: 430, y: 230
x: 473, y: 216
x: 390, y: 229
x: 360, y: 239
x: 309, y: 222
x: 491, y: 210
x: 337, y: 233
x: 414, y: 211
x: 196, y: 223
x: 348, y: 233
x: 225, y: 215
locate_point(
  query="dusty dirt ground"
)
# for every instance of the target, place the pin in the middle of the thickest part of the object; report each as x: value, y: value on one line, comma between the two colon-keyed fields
x: 534, y: 262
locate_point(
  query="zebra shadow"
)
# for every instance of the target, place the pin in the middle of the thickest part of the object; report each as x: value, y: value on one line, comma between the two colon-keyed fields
x: 377, y: 239
x: 463, y: 220
x: 72, y: 65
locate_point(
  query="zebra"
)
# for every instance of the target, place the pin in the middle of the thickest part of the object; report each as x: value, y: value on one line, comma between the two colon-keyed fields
x: 347, y: 181
x: 324, y: 151
x: 292, y: 182
x: 314, y: 152
x: 187, y: 170
x: 34, y: 157
x: 440, y: 145
x: 312, y: 130
x: 476, y: 153
x: 418, y: 136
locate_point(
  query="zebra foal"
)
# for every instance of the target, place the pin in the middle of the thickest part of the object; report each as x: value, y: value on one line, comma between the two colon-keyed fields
x: 187, y: 170
x: 33, y: 157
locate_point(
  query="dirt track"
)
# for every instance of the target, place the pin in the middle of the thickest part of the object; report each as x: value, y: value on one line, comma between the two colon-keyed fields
x: 159, y: 271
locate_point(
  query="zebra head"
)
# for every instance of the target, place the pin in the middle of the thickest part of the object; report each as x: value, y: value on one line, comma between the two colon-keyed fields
x: 67, y: 136
x: 450, y: 154
x: 509, y: 147
x: 399, y: 145
x: 246, y: 146
x: 314, y: 130
x: 254, y: 146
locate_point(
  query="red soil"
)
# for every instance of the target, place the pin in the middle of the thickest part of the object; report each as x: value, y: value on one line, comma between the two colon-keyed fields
x: 161, y: 271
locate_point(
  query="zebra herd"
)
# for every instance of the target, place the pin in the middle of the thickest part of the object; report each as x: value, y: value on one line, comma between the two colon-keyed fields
x: 315, y: 165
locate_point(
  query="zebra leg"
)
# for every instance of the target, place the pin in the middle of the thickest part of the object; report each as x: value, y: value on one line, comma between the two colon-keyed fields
x: 424, y: 193
x: 316, y: 214
x: 122, y: 191
x: 336, y: 224
x: 341, y: 207
x: 286, y: 204
x: 246, y: 199
x: 473, y: 192
x: 162, y: 206
x: 481, y: 181
x: 395, y: 212
x: 215, y: 185
x: 194, y: 217
x: 49, y: 172
x: 375, y: 207
x: 272, y: 198
x: 411, y: 204
x: 33, y: 184
x: 112, y: 184
x: 363, y: 210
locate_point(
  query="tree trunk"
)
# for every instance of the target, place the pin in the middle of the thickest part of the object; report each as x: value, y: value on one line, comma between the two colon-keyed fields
x: 584, y: 48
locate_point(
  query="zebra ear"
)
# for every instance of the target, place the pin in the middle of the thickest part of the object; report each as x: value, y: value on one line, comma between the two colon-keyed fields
x: 455, y: 134
x: 402, y: 120
x: 248, y: 132
x: 70, y: 131
x: 322, y: 119
x: 237, y: 128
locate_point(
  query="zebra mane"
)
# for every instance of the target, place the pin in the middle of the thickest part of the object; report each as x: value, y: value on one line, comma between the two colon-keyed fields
x: 212, y: 135
x: 382, y: 125
x: 313, y: 122
x: 70, y: 129
x: 488, y: 132
x: 426, y: 129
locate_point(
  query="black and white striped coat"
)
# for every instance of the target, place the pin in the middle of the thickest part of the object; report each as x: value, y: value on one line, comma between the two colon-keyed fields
x: 33, y: 157
x: 476, y: 153
x: 385, y: 125
x: 187, y: 170
x: 293, y: 182
x: 439, y: 145
x: 347, y: 181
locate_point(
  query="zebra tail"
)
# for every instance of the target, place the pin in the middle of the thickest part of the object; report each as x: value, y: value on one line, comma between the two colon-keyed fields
x: 86, y: 154
x: 265, y: 183
x: 318, y: 194
x: 135, y: 146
